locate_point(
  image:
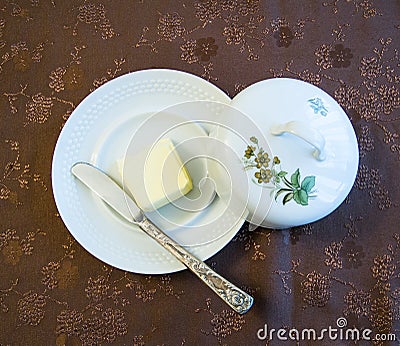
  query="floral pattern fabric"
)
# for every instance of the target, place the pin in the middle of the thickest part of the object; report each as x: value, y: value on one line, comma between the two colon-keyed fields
x: 347, y: 265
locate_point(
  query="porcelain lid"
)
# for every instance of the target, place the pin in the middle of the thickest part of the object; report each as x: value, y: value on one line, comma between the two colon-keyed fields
x: 305, y: 163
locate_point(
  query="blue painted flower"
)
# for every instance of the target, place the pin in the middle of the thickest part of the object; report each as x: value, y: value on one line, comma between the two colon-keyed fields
x: 318, y: 106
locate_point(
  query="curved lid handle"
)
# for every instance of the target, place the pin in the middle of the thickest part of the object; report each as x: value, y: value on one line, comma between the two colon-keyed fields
x: 305, y: 132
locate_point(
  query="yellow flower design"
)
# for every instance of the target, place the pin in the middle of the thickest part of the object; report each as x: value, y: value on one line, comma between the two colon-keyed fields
x: 271, y: 175
x: 263, y: 175
x: 262, y: 159
x: 249, y: 151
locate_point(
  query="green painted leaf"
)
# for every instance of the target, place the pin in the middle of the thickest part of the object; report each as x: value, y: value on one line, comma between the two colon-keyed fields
x: 301, y: 197
x: 288, y: 197
x: 295, y: 178
x: 308, y: 183
x: 296, y: 196
x: 282, y: 174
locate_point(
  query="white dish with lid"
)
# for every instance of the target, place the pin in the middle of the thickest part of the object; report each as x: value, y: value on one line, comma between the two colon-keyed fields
x: 279, y: 178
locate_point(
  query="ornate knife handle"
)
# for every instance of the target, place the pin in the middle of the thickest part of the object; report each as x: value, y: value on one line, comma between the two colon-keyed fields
x: 238, y: 300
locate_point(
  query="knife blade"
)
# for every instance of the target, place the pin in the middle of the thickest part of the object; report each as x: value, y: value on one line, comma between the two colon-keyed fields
x: 108, y: 190
x: 114, y: 195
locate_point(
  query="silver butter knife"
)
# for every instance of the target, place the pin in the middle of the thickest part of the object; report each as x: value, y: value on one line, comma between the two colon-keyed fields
x: 111, y: 193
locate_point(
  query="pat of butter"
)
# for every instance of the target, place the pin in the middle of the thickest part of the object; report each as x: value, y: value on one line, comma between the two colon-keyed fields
x: 156, y: 176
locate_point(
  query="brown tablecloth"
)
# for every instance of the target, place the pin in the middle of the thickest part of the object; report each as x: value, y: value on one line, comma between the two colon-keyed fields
x: 338, y: 273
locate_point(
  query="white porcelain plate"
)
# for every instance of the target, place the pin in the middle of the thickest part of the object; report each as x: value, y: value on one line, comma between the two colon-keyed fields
x: 98, y: 131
